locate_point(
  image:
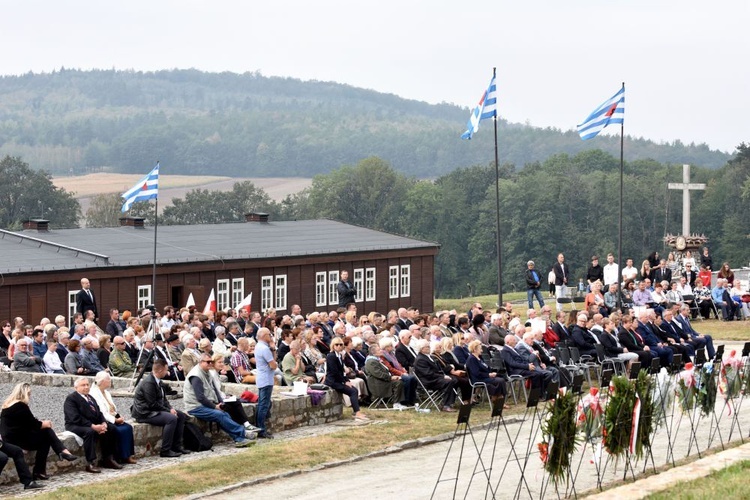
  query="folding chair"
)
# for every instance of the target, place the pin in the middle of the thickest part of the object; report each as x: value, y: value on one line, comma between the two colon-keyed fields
x: 498, y: 365
x: 564, y: 300
x: 430, y: 397
x: 576, y: 301
x: 584, y: 363
x: 693, y: 304
x: 615, y: 363
x: 564, y: 362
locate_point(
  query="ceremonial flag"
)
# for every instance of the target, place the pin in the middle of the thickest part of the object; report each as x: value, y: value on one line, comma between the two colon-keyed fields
x: 611, y: 111
x: 190, y: 301
x: 146, y: 189
x: 210, y: 303
x: 246, y: 303
x: 487, y: 108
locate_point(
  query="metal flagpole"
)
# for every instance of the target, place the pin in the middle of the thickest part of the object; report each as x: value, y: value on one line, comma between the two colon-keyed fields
x: 497, y: 213
x: 156, y: 227
x: 619, y: 238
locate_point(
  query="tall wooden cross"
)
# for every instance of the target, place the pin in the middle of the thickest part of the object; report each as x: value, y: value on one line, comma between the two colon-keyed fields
x: 685, y: 186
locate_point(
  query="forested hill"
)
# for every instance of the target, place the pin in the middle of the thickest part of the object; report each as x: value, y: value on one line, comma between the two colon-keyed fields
x: 71, y: 121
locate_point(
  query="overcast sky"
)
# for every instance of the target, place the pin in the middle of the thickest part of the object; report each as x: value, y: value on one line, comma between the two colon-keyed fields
x: 684, y: 63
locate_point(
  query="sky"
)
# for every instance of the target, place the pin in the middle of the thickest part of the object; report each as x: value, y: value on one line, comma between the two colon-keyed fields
x: 684, y: 63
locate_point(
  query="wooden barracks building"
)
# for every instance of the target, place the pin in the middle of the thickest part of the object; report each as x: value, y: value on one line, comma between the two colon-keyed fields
x: 280, y: 262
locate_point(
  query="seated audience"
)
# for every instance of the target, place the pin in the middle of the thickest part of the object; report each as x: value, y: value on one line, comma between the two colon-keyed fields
x: 479, y: 372
x: 432, y: 377
x: 151, y: 406
x: 20, y: 428
x: 83, y: 418
x: 336, y: 377
x: 124, y: 444
x: 381, y: 382
x: 52, y: 362
x: 203, y: 400
x: 24, y: 360
x: 293, y: 366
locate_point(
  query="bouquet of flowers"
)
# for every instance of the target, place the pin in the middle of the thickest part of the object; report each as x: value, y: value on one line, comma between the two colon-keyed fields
x: 706, y: 385
x: 589, y: 415
x: 730, y: 381
x: 559, y: 438
x: 662, y: 394
x: 687, y: 389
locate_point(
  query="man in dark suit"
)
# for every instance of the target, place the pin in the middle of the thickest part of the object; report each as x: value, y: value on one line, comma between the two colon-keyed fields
x: 661, y: 272
x: 562, y: 273
x: 674, y: 333
x: 83, y: 418
x: 690, y: 274
x: 515, y: 365
x: 633, y: 342
x: 652, y: 340
x: 584, y: 339
x: 559, y: 327
x: 405, y: 354
x: 346, y: 290
x: 432, y: 376
x: 150, y: 406
x: 85, y: 300
x: 658, y: 325
x: 683, y: 319
x: 115, y: 327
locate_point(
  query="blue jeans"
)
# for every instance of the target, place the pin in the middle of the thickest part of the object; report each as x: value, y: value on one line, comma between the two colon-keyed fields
x: 534, y: 292
x: 235, y: 430
x: 264, y: 406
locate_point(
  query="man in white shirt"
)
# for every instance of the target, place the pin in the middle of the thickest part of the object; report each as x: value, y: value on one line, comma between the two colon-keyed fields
x: 610, y: 271
x: 629, y: 272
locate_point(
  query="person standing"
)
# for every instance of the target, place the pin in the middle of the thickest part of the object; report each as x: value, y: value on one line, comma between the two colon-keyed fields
x: 594, y: 273
x: 533, y: 285
x: 85, y: 300
x: 346, y: 290
x: 266, y: 367
x: 611, y: 271
x: 562, y: 273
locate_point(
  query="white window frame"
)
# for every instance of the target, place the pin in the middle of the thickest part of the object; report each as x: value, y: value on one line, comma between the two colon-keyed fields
x: 333, y: 288
x: 359, y: 284
x: 143, y: 296
x: 405, y: 280
x: 393, y: 282
x: 280, y: 292
x: 321, y: 289
x: 72, y: 305
x: 266, y: 293
x: 370, y: 290
x: 238, y: 291
x: 222, y: 295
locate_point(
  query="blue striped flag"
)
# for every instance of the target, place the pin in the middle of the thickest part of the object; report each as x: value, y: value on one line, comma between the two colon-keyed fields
x: 487, y: 108
x: 146, y: 189
x: 611, y: 111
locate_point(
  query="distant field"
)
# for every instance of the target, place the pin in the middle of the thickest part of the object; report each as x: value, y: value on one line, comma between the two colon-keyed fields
x: 172, y: 186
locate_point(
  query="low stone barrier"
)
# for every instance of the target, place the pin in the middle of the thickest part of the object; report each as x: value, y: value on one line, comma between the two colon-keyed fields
x: 286, y: 413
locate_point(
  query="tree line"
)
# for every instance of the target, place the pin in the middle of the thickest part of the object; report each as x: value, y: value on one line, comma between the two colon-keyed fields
x: 564, y: 204
x: 248, y: 125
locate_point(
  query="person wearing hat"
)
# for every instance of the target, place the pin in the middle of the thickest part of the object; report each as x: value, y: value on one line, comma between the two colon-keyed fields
x: 533, y: 285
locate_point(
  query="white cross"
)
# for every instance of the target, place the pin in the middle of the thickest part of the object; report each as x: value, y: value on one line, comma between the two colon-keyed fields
x: 686, y: 187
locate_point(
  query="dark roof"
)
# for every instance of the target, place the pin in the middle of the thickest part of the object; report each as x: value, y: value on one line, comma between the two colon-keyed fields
x: 32, y: 251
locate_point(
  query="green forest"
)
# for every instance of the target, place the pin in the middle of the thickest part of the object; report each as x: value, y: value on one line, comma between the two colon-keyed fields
x: 247, y: 125
x: 564, y: 204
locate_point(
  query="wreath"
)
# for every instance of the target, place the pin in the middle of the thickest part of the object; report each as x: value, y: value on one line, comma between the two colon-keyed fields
x: 687, y: 388
x: 730, y: 382
x: 559, y: 439
x: 646, y: 420
x: 618, y: 417
x: 706, y: 384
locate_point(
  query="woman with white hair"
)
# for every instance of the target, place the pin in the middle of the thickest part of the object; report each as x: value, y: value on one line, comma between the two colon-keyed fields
x: 125, y: 448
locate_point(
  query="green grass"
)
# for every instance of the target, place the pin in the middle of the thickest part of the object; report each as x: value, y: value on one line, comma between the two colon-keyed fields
x: 726, y: 483
x: 488, y: 302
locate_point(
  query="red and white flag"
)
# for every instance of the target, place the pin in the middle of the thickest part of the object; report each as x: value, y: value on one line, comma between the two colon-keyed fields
x: 246, y: 303
x: 190, y: 301
x: 210, y: 303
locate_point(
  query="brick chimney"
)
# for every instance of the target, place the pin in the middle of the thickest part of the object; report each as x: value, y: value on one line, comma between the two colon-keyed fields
x: 136, y: 222
x: 41, y: 225
x: 256, y: 217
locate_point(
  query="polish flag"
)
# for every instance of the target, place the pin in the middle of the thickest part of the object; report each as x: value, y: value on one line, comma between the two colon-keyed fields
x: 190, y: 301
x: 246, y: 303
x: 210, y: 303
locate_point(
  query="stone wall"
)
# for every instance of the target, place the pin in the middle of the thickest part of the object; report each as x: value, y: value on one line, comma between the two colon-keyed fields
x: 286, y: 413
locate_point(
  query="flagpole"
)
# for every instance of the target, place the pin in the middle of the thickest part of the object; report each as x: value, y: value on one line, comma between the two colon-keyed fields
x: 153, y: 268
x: 619, y: 237
x: 497, y: 214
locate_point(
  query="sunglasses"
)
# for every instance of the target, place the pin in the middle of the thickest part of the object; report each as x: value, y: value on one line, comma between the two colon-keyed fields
x: 337, y: 345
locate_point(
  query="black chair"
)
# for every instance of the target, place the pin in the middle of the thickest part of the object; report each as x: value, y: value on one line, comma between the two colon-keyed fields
x: 564, y: 300
x: 604, y: 361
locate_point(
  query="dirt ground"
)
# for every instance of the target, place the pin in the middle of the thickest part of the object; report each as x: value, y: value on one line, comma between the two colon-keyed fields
x: 172, y: 186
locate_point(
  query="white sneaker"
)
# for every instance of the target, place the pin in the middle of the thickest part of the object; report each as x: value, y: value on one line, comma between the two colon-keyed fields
x: 243, y: 443
x: 251, y: 434
x: 398, y: 406
x: 250, y: 427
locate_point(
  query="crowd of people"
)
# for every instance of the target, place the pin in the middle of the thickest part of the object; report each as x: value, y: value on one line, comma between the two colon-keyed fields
x: 370, y: 359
